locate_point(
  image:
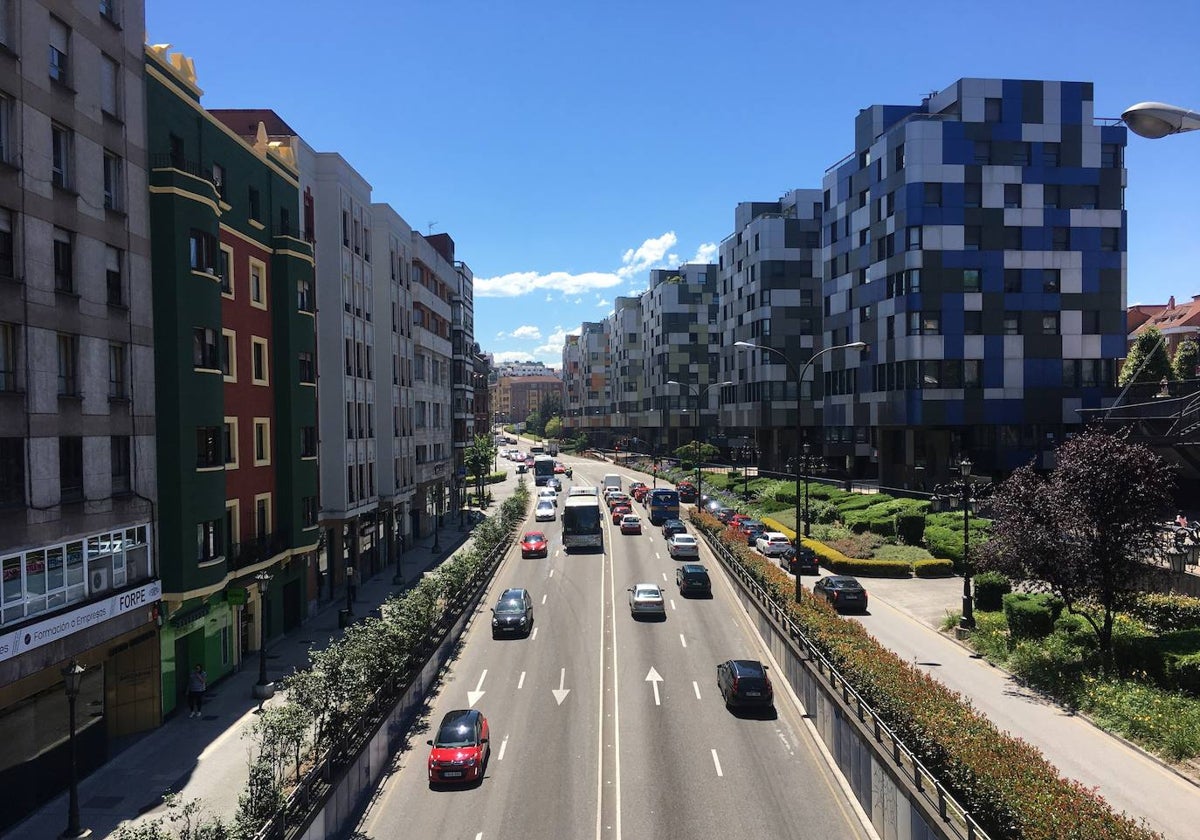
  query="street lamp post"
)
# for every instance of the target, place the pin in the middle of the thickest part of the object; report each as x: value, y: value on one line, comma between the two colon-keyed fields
x: 749, y: 455
x: 966, y: 493
x: 437, y: 521
x: 264, y: 689
x: 1158, y: 119
x: 749, y: 345
x: 72, y: 681
x: 807, y: 464
x: 699, y: 394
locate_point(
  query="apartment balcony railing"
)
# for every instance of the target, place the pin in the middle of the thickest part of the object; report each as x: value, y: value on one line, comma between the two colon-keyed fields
x: 258, y: 549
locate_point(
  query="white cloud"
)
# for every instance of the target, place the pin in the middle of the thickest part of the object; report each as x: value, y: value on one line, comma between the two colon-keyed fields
x: 706, y: 253
x: 526, y: 332
x: 511, y: 356
x: 602, y: 303
x: 551, y: 351
x: 649, y: 254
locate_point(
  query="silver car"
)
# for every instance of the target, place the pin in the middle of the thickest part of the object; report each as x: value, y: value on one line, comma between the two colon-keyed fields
x: 544, y: 512
x: 683, y: 545
x: 646, y: 599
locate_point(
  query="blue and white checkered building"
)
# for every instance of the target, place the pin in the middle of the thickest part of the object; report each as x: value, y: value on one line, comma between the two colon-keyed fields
x: 977, y: 242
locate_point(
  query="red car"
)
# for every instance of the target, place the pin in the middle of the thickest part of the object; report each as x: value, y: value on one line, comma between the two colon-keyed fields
x: 639, y: 493
x: 559, y: 469
x: 619, y: 511
x: 460, y: 751
x: 535, y: 544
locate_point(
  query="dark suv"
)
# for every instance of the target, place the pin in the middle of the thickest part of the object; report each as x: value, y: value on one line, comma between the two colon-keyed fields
x: 692, y: 579
x: 744, y: 682
x: 513, y: 613
x: 672, y: 527
x: 800, y: 561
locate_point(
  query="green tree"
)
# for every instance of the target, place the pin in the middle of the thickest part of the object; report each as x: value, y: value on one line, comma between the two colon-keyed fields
x: 554, y: 427
x: 687, y: 452
x: 1082, y: 531
x: 479, y: 459
x: 1147, y: 360
x: 1187, y: 356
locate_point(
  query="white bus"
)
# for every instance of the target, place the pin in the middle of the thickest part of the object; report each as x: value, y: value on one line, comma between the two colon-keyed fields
x: 582, y: 523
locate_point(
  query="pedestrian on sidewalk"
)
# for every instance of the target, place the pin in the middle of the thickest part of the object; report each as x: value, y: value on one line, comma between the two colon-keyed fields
x: 197, y: 685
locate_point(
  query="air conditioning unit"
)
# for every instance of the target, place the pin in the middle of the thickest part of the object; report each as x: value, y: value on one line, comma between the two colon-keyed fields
x: 99, y: 580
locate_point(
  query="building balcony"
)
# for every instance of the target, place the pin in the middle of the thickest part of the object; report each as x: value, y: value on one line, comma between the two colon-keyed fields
x: 257, y: 550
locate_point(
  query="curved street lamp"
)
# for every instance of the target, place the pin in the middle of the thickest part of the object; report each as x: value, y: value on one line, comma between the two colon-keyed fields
x: 699, y: 395
x: 1158, y: 119
x: 749, y: 345
x: 966, y: 493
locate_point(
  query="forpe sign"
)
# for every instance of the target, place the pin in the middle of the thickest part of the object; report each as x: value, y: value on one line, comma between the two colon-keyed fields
x: 33, y: 636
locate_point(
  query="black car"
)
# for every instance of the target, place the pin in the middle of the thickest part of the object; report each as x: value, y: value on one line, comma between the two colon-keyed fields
x: 725, y: 514
x: 692, y: 579
x: 513, y: 613
x: 842, y: 592
x: 672, y: 527
x: 800, y: 561
x: 687, y: 493
x: 744, y: 682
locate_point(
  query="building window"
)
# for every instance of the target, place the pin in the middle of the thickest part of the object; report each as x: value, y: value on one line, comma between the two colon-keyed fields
x: 972, y: 373
x: 68, y: 365
x: 255, y: 208
x: 983, y: 152
x: 60, y: 156
x: 70, y: 469
x: 1090, y: 322
x: 1089, y: 197
x: 12, y: 472
x: 1051, y: 196
x: 991, y: 109
x: 262, y: 515
x: 7, y: 252
x: 204, y: 349
x: 972, y: 237
x: 229, y: 355
x: 119, y: 451
x: 1012, y: 279
x: 913, y: 239
x: 208, y: 541
x: 260, y: 373
x: 8, y: 357
x: 1050, y: 323
x: 972, y: 195
x: 898, y: 157
x: 208, y: 446
x: 229, y: 435
x: 308, y: 370
x: 258, y: 284
x: 1012, y: 323
x: 971, y: 280
x: 1110, y: 155
x: 64, y: 263
x: 1020, y: 154
x: 308, y: 511
x: 350, y: 484
x: 933, y: 194
x: 912, y: 281
x: 308, y: 441
x: 1109, y: 239
x: 115, y: 287
x: 1051, y: 279
x: 113, y: 182
x: 1051, y: 154
x: 1012, y: 238
x: 225, y: 271
x: 202, y: 251
x: 262, y: 441
x: 972, y: 323
x: 218, y: 179
x: 6, y: 128
x: 1061, y: 239
x: 60, y: 41
x: 117, y: 361
x: 108, y: 10
x: 1012, y: 195
x: 346, y: 228
x: 304, y: 295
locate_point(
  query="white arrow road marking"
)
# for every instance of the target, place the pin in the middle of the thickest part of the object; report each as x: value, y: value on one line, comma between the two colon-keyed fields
x: 503, y: 747
x: 717, y: 763
x: 534, y: 636
x: 682, y: 640
x: 696, y: 688
x: 543, y: 599
x: 521, y: 681
x: 654, y: 679
x: 473, y: 696
x: 560, y: 693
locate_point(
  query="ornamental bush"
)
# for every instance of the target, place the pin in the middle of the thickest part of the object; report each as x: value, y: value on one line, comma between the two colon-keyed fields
x: 1031, y: 616
x: 871, y: 568
x: 1165, y: 613
x: 910, y: 528
x: 990, y: 589
x: 933, y: 568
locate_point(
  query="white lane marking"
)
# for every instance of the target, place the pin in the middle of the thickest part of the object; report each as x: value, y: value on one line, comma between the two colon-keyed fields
x: 543, y: 599
x: 654, y: 679
x: 657, y: 556
x: 473, y: 696
x: 717, y: 763
x: 682, y: 640
x: 521, y: 681
x: 503, y: 747
x: 551, y: 573
x: 479, y: 836
x: 534, y: 636
x: 696, y: 688
x: 560, y: 693
x: 672, y: 603
x: 664, y: 576
x: 612, y: 616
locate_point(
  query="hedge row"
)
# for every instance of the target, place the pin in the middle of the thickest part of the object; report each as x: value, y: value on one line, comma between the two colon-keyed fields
x: 933, y: 568
x: 1165, y: 613
x: 1007, y: 785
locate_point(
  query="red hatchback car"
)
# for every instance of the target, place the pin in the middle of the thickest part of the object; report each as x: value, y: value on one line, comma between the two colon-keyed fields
x: 535, y: 544
x: 460, y: 750
x: 619, y: 511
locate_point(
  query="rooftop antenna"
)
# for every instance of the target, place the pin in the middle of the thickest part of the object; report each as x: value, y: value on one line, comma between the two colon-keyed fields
x: 430, y: 225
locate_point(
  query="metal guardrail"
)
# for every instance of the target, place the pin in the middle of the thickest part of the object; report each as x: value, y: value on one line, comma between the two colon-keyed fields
x: 956, y: 817
x: 309, y: 795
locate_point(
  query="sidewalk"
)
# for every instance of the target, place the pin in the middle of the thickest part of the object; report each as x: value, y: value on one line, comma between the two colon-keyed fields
x: 208, y: 759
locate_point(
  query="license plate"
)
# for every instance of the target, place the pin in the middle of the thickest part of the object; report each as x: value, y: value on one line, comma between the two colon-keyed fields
x: 753, y: 694
x: 452, y: 774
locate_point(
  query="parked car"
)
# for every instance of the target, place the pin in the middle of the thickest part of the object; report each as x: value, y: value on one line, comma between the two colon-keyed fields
x: 800, y: 561
x: 513, y: 613
x: 460, y: 750
x: 683, y: 545
x: 535, y: 544
x: 692, y: 579
x: 744, y: 682
x: 631, y: 524
x: 672, y: 527
x: 544, y: 512
x: 618, y: 512
x: 842, y: 592
x: 772, y: 543
x: 646, y: 599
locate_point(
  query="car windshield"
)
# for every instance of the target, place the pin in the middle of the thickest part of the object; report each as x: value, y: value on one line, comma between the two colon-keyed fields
x: 684, y: 539
x: 647, y: 593
x: 455, y: 734
x: 546, y: 503
x: 534, y: 538
x: 843, y: 583
x: 510, y: 605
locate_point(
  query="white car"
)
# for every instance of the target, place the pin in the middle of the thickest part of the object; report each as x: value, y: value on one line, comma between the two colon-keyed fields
x: 544, y: 512
x: 646, y: 599
x: 772, y: 543
x: 548, y: 493
x: 683, y: 545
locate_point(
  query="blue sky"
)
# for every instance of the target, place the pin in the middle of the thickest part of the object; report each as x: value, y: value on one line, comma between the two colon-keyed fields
x: 568, y: 147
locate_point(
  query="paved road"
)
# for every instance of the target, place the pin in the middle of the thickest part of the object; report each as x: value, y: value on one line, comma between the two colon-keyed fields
x: 610, y: 760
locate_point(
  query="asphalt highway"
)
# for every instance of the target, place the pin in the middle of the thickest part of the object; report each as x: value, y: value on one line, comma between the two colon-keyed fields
x: 612, y: 728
